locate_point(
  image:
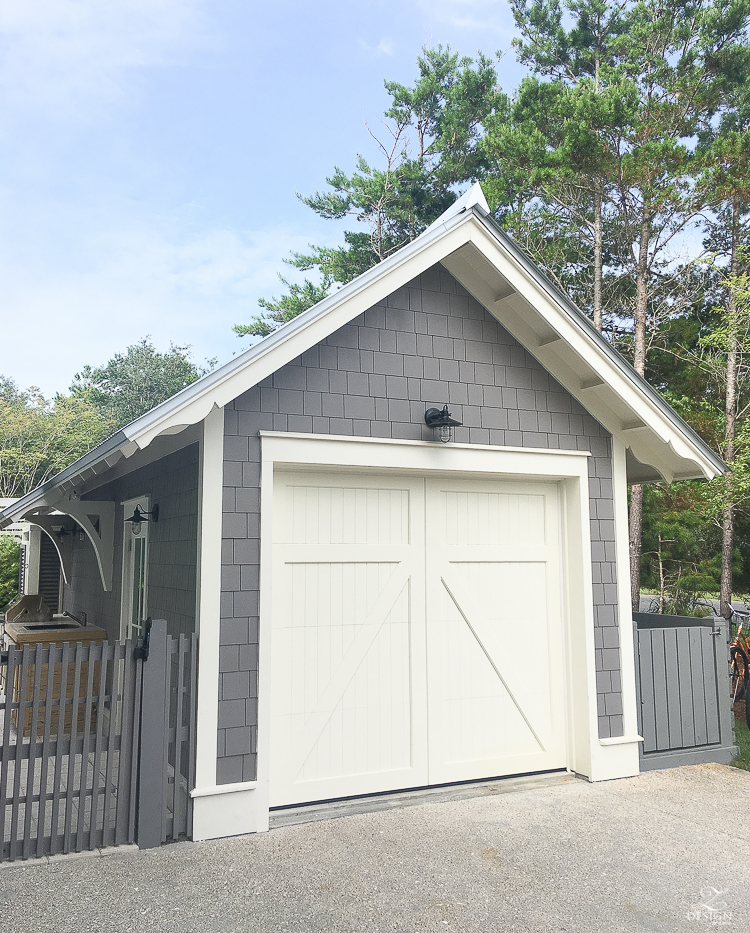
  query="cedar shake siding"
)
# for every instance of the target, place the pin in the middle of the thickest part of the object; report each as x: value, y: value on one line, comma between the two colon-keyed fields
x: 173, y: 547
x: 430, y: 343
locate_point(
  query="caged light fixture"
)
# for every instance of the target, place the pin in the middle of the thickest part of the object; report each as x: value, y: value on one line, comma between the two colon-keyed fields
x: 441, y: 422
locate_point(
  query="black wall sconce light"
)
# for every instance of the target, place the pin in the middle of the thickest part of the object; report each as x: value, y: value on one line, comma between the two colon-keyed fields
x: 441, y: 422
x: 139, y: 516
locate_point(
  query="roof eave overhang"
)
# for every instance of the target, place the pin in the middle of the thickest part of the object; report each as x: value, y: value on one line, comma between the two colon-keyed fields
x: 663, y: 446
x: 49, y: 494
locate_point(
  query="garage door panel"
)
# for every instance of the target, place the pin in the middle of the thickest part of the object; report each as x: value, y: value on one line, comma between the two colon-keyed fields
x: 493, y: 629
x: 507, y: 632
x: 485, y: 712
x: 345, y: 672
x: 369, y: 728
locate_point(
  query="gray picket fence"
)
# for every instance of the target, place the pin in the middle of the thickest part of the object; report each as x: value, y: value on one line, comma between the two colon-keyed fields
x: 96, y: 745
x: 683, y: 690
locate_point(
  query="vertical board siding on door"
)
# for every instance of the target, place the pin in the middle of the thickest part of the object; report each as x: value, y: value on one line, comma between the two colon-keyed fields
x: 336, y: 515
x: 493, y: 518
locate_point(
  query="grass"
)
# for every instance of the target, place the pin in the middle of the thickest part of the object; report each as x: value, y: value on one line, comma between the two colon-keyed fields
x: 742, y: 737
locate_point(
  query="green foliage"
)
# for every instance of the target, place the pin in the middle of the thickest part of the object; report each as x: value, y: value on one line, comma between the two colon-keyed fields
x: 38, y: 438
x: 742, y: 737
x: 10, y: 555
x: 680, y: 556
x: 430, y: 143
x: 132, y: 383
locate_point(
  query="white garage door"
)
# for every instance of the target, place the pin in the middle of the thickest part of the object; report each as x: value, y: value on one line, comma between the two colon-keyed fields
x: 416, y: 633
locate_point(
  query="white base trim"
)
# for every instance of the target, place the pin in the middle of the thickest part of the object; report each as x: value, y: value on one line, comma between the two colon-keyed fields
x: 622, y: 740
x: 609, y: 762
x: 228, y: 814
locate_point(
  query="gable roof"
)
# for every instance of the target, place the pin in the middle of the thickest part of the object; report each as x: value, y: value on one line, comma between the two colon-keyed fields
x: 492, y: 268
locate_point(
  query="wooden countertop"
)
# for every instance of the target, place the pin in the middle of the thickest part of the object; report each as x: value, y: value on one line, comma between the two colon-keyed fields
x: 30, y: 633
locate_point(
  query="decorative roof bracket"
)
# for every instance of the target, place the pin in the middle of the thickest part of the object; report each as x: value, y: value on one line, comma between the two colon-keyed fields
x: 97, y: 519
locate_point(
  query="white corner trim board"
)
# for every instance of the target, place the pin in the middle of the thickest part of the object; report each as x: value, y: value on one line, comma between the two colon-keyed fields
x: 209, y: 596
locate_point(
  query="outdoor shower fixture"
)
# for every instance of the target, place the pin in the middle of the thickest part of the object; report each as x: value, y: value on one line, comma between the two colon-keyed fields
x: 441, y: 422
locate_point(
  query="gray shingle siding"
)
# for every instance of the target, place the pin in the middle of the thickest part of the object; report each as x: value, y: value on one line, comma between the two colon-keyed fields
x: 173, y: 547
x: 429, y: 343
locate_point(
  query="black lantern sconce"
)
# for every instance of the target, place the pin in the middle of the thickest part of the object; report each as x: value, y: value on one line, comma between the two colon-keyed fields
x: 441, y: 422
x: 139, y: 516
x: 60, y: 532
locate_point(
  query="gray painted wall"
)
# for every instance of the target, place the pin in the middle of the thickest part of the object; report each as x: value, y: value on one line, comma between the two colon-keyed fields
x: 428, y: 344
x: 173, y: 547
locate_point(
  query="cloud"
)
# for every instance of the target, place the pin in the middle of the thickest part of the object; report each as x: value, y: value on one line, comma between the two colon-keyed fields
x: 485, y: 16
x: 384, y: 47
x: 62, y: 56
x: 126, y: 283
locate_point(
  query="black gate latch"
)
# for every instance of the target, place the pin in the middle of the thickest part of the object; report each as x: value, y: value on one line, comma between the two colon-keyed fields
x: 141, y: 651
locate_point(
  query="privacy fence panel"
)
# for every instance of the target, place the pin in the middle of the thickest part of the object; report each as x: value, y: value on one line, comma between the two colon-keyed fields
x: 683, y: 689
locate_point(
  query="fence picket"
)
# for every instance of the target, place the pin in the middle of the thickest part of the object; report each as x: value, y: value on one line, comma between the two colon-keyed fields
x: 18, y: 766
x: 57, y: 796
x: 110, y: 790
x: 70, y: 786
x: 96, y: 834
x: 83, y: 781
x: 10, y: 674
x: 52, y: 655
x: 38, y: 656
x: 177, y: 822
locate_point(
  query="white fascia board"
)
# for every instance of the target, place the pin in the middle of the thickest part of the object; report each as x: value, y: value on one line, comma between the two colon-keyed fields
x: 530, y: 297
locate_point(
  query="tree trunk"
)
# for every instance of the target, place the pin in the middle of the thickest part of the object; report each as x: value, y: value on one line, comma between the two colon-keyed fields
x: 598, y: 301
x: 636, y: 528
x: 730, y: 428
x: 639, y: 363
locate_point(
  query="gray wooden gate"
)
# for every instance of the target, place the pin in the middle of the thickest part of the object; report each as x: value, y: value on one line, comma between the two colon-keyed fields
x: 167, y: 749
x: 96, y: 745
x: 683, y: 690
x: 68, y: 772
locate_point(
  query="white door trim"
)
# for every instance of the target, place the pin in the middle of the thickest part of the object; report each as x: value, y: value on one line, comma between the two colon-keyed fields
x: 280, y: 450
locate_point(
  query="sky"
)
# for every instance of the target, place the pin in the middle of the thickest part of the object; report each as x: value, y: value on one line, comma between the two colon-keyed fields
x: 150, y: 151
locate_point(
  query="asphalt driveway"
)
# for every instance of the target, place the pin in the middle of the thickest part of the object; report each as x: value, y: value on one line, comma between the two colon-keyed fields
x: 667, y: 851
